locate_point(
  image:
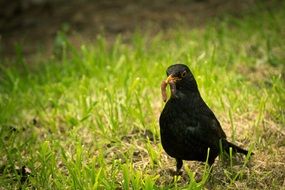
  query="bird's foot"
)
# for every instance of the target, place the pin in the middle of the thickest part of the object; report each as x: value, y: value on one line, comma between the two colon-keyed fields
x: 175, y: 172
x: 178, y: 173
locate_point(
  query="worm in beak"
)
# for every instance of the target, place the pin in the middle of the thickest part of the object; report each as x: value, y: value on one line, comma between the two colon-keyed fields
x: 171, y: 81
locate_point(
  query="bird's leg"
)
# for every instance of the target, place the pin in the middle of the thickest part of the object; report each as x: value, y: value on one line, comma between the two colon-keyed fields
x: 179, y: 164
x: 211, y: 161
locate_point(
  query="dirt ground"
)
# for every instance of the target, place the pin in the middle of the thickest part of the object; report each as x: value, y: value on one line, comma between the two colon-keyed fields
x: 31, y: 26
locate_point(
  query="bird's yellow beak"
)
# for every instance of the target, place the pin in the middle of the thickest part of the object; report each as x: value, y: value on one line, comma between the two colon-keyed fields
x: 171, y: 79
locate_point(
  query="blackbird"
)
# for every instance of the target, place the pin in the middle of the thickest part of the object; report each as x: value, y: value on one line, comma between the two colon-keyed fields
x: 188, y: 127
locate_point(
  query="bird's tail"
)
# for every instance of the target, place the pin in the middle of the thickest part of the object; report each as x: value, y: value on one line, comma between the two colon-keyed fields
x: 236, y: 149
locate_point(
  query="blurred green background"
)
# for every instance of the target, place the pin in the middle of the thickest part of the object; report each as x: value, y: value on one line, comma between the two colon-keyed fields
x: 80, y: 91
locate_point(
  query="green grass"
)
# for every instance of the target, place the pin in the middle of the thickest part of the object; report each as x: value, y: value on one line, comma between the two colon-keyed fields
x: 88, y: 118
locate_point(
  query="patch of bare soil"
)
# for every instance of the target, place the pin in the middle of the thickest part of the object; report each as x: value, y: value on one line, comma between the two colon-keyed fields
x: 33, y: 24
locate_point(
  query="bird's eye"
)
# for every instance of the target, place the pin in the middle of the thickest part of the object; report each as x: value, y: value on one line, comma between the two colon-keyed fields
x: 184, y: 73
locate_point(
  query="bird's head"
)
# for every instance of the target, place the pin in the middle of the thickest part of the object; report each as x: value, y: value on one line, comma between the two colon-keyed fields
x: 179, y: 77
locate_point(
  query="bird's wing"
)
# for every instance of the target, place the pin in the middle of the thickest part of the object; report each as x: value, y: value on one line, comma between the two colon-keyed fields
x: 203, y: 128
x: 202, y: 134
x: 209, y: 120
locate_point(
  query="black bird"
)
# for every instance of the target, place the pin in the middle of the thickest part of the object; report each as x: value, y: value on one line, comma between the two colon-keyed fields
x: 188, y: 127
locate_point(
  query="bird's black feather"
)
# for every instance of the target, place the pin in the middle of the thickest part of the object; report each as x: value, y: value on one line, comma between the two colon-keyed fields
x: 188, y: 127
